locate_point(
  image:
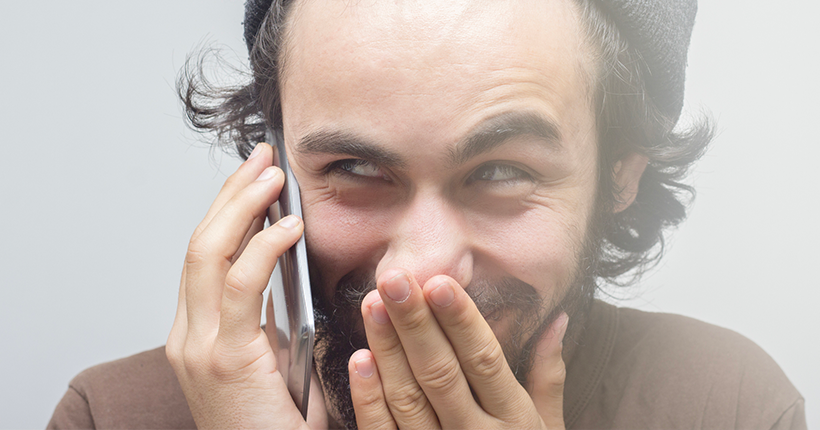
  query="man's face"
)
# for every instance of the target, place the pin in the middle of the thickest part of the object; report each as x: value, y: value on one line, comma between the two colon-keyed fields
x: 452, y: 138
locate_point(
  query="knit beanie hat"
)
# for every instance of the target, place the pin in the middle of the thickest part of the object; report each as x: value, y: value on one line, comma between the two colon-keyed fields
x: 659, y: 29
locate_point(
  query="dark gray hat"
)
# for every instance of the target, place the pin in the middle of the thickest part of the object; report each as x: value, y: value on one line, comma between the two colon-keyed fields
x: 659, y: 29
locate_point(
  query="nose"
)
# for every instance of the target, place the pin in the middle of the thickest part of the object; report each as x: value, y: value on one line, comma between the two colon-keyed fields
x: 431, y: 237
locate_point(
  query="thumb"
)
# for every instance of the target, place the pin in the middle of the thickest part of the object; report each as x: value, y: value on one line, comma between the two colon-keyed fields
x: 546, y: 381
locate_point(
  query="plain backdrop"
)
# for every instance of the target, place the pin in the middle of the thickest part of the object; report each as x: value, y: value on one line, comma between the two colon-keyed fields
x: 102, y: 185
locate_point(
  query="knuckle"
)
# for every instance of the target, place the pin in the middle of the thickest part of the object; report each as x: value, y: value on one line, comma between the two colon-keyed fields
x: 219, y: 370
x: 409, y: 402
x: 215, y: 367
x: 232, y: 183
x: 197, y: 251
x: 269, y: 239
x: 229, y: 365
x: 207, y: 363
x: 174, y: 355
x: 414, y: 322
x: 192, y: 359
x: 236, y: 282
x: 441, y: 375
x: 374, y: 419
x: 198, y: 230
x: 392, y: 349
x: 461, y: 320
x: 370, y: 400
x: 486, y: 360
x: 558, y: 375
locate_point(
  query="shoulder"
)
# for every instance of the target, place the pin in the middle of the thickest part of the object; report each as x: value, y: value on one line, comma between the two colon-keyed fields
x: 667, y: 341
x: 140, y: 391
x: 696, y: 373
x: 675, y: 345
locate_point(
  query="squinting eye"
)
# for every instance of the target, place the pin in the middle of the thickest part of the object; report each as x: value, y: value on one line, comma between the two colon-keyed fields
x: 359, y: 167
x: 498, y: 172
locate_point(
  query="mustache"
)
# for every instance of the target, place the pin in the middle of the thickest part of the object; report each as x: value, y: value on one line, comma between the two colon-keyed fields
x: 492, y: 297
x: 339, y: 331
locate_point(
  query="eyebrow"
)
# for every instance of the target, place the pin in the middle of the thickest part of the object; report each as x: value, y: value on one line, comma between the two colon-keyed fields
x: 498, y: 130
x: 486, y: 136
x: 346, y: 143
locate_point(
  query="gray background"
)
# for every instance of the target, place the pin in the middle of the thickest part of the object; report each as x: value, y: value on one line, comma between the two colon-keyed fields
x: 102, y: 185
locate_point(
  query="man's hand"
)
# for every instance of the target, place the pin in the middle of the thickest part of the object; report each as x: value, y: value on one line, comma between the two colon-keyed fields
x: 224, y: 361
x: 431, y: 351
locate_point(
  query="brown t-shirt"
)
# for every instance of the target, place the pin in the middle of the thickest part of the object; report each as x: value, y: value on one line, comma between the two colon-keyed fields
x: 632, y: 370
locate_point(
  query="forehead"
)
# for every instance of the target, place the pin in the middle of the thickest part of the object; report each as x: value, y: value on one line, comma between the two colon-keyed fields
x: 363, y: 63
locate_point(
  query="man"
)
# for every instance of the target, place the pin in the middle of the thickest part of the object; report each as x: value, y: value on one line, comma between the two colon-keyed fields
x: 470, y: 172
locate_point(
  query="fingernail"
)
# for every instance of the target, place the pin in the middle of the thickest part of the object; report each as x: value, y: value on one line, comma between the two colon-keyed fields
x: 379, y: 313
x: 267, y: 174
x: 443, y: 295
x: 398, y: 288
x: 364, y: 367
x: 256, y: 150
x: 289, y: 221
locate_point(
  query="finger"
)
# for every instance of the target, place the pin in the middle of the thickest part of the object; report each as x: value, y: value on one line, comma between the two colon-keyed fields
x: 257, y: 226
x: 317, y: 412
x: 546, y: 381
x: 367, y: 394
x: 209, y: 254
x: 175, y: 344
x: 260, y: 159
x: 247, y: 279
x: 180, y: 327
x: 407, y: 403
x: 249, y: 169
x: 270, y: 325
x: 479, y: 352
x: 430, y: 355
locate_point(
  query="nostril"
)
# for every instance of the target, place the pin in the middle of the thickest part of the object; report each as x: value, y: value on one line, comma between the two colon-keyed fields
x: 423, y: 255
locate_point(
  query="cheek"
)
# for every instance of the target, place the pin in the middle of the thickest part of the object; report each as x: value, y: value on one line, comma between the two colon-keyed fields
x: 341, y: 238
x: 541, y: 246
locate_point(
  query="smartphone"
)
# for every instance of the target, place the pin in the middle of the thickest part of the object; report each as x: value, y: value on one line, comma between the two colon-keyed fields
x: 292, y: 301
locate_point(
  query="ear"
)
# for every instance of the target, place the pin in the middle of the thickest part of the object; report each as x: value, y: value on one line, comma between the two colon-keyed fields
x: 628, y: 171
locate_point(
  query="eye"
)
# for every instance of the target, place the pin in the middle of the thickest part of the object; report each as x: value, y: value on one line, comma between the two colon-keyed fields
x: 498, y: 173
x: 358, y: 168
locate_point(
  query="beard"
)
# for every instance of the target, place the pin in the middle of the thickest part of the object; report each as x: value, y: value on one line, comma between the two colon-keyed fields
x: 340, y: 331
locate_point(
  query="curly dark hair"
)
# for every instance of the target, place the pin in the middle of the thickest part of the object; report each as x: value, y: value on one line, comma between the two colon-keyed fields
x: 628, y: 120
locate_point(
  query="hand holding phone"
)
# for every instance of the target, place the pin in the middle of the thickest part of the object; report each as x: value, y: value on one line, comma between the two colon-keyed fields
x: 227, y: 365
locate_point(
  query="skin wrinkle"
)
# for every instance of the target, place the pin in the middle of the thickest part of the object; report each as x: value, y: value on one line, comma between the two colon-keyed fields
x: 499, y: 130
x: 588, y: 66
x: 378, y: 68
